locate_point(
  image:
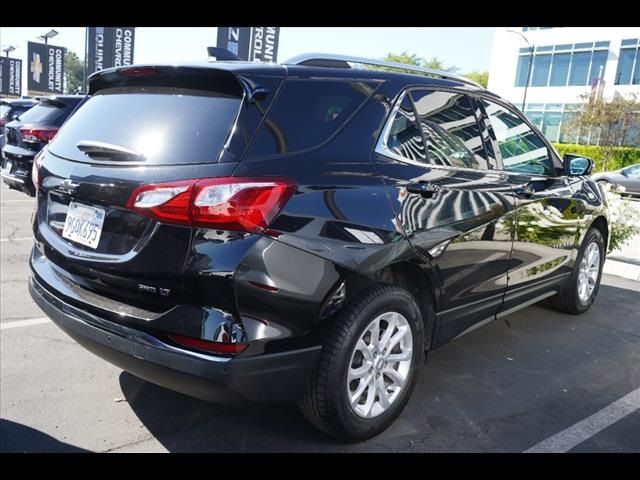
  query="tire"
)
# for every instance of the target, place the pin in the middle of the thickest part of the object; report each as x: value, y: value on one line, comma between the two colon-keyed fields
x: 327, y: 404
x: 569, y: 300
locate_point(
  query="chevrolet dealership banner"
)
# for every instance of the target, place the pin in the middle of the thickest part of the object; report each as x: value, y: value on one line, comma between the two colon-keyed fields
x: 10, y: 77
x: 250, y: 43
x: 110, y: 47
x: 46, y: 68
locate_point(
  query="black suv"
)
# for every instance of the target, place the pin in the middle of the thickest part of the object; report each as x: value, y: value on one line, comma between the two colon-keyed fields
x: 10, y: 110
x: 304, y: 232
x: 27, y: 134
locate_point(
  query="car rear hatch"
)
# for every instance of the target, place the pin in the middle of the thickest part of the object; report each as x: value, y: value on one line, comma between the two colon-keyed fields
x: 33, y: 129
x: 140, y: 127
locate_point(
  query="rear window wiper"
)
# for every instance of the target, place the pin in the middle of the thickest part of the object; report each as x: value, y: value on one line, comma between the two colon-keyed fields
x: 107, y: 150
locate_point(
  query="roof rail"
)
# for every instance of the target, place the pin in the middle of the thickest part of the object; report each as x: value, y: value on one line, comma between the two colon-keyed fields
x: 342, y: 61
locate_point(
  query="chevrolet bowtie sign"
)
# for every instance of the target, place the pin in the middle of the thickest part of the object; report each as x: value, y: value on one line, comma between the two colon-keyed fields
x: 36, y: 67
x: 10, y: 77
x: 256, y: 44
x: 46, y: 68
x: 110, y: 47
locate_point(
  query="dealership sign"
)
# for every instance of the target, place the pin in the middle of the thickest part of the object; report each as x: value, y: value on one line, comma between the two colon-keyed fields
x: 10, y: 77
x: 250, y: 43
x: 109, y: 47
x: 46, y: 68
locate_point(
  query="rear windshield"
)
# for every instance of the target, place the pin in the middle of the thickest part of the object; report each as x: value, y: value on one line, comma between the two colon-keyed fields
x: 42, y: 113
x: 4, y: 109
x: 165, y: 125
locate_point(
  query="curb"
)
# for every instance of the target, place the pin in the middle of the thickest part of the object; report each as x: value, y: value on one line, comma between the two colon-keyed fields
x: 622, y: 269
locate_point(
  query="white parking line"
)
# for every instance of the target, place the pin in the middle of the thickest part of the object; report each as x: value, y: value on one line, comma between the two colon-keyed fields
x: 16, y: 239
x: 590, y: 426
x: 24, y: 323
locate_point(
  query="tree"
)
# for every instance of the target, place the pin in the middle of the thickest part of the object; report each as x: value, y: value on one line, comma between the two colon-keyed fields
x: 73, y: 73
x: 479, y: 77
x: 611, y: 122
x: 413, y: 59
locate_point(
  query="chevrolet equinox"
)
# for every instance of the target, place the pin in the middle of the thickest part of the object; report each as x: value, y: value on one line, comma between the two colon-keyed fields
x: 303, y: 232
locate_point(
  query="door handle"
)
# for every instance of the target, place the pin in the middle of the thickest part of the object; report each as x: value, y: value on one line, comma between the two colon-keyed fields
x: 427, y: 190
x: 524, y: 192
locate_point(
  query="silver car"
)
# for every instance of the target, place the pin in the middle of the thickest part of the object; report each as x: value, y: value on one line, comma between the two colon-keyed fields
x: 628, y: 177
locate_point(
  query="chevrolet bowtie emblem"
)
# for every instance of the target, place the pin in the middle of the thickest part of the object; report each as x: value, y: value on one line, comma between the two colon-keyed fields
x: 67, y: 186
x: 36, y: 67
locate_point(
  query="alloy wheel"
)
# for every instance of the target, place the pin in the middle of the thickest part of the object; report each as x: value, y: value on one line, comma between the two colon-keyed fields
x: 380, y: 365
x: 588, y: 272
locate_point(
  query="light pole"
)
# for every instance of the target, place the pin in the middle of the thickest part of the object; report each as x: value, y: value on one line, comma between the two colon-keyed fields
x: 50, y: 34
x: 8, y: 50
x: 526, y: 85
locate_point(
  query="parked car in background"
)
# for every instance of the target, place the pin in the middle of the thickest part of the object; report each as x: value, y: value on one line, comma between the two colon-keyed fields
x: 28, y: 133
x: 307, y: 231
x: 627, y: 177
x: 11, y: 110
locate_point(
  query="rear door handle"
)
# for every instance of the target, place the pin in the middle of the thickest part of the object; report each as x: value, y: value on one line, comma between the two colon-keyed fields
x: 425, y: 189
x: 524, y: 192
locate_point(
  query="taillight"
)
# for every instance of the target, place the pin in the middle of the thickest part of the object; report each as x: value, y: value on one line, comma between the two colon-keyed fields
x: 229, y: 203
x: 36, y: 135
x: 208, y: 346
x: 35, y: 170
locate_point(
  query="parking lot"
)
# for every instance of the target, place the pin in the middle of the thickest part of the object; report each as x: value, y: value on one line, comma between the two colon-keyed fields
x: 543, y: 381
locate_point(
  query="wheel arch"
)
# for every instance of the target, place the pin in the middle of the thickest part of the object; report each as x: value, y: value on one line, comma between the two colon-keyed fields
x: 602, y: 225
x: 418, y: 281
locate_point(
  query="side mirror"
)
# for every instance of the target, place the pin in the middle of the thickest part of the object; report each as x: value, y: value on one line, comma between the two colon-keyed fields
x: 575, y: 165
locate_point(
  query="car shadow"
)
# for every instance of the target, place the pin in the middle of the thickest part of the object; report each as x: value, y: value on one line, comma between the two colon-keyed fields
x: 18, y: 438
x: 185, y: 424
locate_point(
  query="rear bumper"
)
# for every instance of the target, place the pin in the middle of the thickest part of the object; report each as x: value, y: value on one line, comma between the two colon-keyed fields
x: 279, y: 377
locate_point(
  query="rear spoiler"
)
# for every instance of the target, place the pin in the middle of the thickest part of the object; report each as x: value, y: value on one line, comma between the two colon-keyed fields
x: 51, y: 101
x: 205, y: 78
x: 195, y: 78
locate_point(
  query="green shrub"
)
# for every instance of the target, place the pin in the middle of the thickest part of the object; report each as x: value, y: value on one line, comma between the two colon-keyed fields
x: 624, y: 218
x: 622, y: 156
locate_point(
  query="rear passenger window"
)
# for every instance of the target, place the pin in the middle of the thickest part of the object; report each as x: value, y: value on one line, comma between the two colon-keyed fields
x: 307, y: 113
x: 521, y: 148
x: 449, y: 124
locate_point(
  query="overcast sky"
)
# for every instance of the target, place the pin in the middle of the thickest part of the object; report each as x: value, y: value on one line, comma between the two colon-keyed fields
x: 467, y: 48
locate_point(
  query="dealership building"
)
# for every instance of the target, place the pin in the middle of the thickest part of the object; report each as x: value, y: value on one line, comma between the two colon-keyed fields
x: 562, y: 64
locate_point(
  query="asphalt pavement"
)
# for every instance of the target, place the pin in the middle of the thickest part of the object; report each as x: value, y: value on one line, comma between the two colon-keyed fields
x: 544, y: 381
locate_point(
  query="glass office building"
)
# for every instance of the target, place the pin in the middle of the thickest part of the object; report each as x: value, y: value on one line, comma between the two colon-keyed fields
x: 557, y: 65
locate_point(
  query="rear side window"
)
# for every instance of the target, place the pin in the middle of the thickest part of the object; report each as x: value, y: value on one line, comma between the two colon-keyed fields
x: 450, y: 127
x: 42, y: 113
x: 166, y: 125
x: 307, y: 113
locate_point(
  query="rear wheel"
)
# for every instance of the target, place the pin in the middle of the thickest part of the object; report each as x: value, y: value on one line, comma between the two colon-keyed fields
x: 582, y: 287
x: 369, y: 365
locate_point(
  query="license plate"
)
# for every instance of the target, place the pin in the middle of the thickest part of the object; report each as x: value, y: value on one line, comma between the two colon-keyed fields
x: 7, y: 166
x: 83, y: 224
